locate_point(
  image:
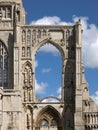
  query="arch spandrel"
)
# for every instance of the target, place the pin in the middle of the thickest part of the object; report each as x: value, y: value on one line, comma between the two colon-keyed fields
x: 45, y: 41
x: 56, y: 35
x: 48, y: 113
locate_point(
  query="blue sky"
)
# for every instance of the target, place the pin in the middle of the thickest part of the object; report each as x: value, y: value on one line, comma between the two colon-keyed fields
x: 62, y: 12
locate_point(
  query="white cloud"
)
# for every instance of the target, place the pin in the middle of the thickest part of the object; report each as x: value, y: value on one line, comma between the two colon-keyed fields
x: 90, y: 38
x: 50, y: 100
x: 59, y: 92
x: 90, y: 43
x: 49, y: 21
x: 46, y: 70
x: 48, y: 48
x: 36, y: 64
x: 40, y: 87
x: 95, y: 97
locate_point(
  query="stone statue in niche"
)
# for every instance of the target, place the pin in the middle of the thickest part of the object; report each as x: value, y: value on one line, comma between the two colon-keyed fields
x: 27, y: 76
x: 27, y: 83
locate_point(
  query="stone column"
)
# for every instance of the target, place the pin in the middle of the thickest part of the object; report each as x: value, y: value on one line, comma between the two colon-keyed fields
x: 78, y: 119
x: 17, y: 58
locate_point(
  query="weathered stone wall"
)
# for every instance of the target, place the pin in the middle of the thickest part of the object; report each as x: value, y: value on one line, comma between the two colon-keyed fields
x: 20, y: 109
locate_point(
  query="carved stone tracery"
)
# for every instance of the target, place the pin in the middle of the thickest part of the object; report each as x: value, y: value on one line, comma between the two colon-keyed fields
x: 28, y: 79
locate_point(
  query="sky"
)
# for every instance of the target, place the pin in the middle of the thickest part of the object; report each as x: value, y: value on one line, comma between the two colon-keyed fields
x: 55, y: 12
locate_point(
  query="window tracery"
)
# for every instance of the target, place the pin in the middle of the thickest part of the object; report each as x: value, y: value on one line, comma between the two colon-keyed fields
x: 44, y: 122
x: 53, y: 122
x: 3, y: 66
x: 6, y: 12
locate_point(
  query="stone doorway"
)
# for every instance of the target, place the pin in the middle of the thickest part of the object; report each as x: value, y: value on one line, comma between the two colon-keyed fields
x: 49, y: 119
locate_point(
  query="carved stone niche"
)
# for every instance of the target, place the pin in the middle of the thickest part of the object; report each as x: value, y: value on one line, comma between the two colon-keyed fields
x: 27, y: 82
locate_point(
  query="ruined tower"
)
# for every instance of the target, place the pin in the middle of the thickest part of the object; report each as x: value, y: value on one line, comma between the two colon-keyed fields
x: 20, y: 109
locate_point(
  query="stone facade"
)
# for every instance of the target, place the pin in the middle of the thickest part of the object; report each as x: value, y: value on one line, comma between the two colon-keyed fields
x: 20, y: 109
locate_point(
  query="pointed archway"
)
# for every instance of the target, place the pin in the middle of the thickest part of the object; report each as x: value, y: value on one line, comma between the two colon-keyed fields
x: 48, y: 70
x: 49, y: 118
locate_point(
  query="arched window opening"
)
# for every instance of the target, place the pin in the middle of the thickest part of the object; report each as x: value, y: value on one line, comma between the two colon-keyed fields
x: 53, y: 123
x: 3, y: 66
x: 44, y: 123
x: 48, y: 72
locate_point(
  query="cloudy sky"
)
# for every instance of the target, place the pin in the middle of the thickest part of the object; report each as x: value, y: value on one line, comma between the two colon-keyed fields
x: 62, y: 12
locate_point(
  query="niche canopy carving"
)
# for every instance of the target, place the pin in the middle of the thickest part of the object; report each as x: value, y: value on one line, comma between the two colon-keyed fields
x: 32, y: 35
x: 27, y: 76
x: 27, y: 83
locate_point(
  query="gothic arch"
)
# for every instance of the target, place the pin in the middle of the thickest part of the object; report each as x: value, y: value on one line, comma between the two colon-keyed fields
x: 42, y: 43
x: 49, y: 113
x: 3, y: 65
x: 59, y: 47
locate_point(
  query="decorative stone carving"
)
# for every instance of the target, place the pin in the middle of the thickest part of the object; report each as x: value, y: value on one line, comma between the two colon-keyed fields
x: 21, y: 42
x: 28, y: 37
x: 23, y: 36
x: 28, y: 51
x: 23, y: 51
x: 27, y: 83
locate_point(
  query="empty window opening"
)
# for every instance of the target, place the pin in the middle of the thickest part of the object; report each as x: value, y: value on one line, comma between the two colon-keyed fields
x: 48, y: 71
